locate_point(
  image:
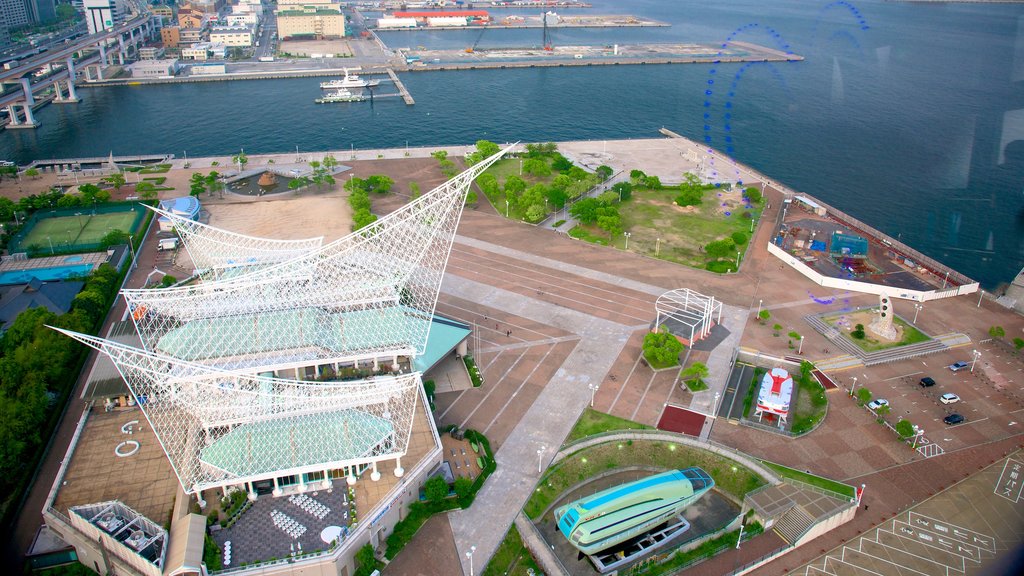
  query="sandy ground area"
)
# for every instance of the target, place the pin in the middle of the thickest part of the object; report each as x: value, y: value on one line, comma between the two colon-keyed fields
x: 307, y: 47
x: 288, y: 218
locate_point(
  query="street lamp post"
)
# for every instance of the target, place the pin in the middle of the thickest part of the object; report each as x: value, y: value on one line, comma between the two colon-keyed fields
x: 751, y: 225
x: 917, y: 309
x: 714, y: 412
x: 593, y: 390
x: 470, y: 556
x: 945, y: 280
x: 506, y: 207
x: 737, y: 260
x: 976, y: 355
x: 800, y: 349
x: 51, y: 254
x: 627, y: 235
x: 920, y: 432
x: 540, y: 458
x: 657, y: 247
x: 854, y: 387
x: 759, y: 303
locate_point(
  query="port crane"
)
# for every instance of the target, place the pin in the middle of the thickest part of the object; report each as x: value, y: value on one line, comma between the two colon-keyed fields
x: 479, y: 36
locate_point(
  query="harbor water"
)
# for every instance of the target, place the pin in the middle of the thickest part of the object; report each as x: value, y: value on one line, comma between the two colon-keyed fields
x: 907, y: 116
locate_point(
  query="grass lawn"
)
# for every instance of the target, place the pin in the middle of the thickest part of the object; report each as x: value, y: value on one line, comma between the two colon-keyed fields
x: 812, y: 479
x: 591, y: 234
x: 748, y: 400
x: 809, y: 407
x: 729, y: 475
x: 869, y: 343
x: 511, y: 557
x: 696, y: 385
x: 593, y: 422
x: 84, y: 229
x: 651, y: 214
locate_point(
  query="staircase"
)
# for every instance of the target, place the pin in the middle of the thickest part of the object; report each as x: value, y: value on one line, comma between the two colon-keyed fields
x: 793, y: 524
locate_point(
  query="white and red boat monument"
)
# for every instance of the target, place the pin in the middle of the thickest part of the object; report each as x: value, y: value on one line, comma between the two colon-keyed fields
x: 775, y: 395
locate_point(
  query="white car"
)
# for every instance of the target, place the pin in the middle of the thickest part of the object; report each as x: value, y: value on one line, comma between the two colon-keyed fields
x: 949, y: 398
x: 878, y: 403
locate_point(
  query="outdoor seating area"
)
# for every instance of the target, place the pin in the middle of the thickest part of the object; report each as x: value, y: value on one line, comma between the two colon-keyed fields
x: 287, y: 524
x: 310, y: 505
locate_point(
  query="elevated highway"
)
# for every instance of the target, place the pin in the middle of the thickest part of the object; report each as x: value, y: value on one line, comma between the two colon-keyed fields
x: 89, y: 54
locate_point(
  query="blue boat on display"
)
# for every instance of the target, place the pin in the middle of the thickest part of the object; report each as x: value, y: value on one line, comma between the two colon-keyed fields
x: 615, y: 515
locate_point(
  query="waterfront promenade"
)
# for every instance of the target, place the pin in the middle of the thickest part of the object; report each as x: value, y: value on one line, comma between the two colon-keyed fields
x: 576, y: 313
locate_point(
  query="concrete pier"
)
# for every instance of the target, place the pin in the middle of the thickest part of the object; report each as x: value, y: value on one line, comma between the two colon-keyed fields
x: 402, y: 91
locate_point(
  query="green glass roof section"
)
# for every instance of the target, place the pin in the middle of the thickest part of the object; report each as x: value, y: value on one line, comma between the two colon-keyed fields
x: 248, y: 334
x: 287, y: 443
x: 445, y: 335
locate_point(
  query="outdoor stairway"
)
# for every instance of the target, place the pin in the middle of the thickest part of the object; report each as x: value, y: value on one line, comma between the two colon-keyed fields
x: 793, y: 524
x: 834, y: 336
x: 903, y: 352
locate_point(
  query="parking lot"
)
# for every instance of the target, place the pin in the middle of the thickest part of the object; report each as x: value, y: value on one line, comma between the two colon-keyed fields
x: 988, y: 411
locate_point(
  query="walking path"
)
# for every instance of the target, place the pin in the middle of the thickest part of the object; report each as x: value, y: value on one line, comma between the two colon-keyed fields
x: 548, y: 421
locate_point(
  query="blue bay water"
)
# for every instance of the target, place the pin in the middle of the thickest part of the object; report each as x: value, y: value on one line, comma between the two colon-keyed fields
x: 909, y: 117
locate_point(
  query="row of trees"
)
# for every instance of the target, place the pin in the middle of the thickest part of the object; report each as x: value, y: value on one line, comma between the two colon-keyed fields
x: 534, y: 202
x: 38, y: 367
x: 359, y: 197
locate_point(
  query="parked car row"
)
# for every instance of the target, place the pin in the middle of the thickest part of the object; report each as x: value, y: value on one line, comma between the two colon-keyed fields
x: 948, y: 397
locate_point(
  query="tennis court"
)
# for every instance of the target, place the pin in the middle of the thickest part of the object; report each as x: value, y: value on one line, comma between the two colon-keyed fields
x: 69, y: 230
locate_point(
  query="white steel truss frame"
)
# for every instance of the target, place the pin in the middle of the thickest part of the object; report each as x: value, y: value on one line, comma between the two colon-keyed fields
x: 193, y: 406
x: 215, y: 252
x: 392, y: 269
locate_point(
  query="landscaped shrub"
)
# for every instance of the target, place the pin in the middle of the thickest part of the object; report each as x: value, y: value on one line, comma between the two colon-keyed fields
x: 661, y: 349
x: 474, y: 371
x: 436, y: 489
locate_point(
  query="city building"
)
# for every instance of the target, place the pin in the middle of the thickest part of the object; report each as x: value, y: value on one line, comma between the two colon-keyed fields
x: 204, y: 51
x: 151, y: 53
x: 287, y: 374
x: 104, y: 14
x: 242, y: 19
x: 5, y: 34
x: 170, y: 36
x: 187, y: 36
x: 55, y: 296
x: 207, y: 69
x: 231, y: 35
x: 154, y: 68
x: 310, y: 22
x: 16, y: 12
x: 43, y: 10
x: 190, y: 18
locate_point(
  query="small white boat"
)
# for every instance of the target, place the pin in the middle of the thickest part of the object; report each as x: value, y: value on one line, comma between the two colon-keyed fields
x: 349, y: 81
x: 340, y: 95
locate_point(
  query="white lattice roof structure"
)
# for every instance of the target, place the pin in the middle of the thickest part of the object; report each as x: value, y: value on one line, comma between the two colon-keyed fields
x: 687, y: 314
x: 218, y: 253
x: 214, y: 376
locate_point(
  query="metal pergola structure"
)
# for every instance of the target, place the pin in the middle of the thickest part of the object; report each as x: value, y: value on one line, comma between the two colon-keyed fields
x: 220, y: 377
x: 687, y: 314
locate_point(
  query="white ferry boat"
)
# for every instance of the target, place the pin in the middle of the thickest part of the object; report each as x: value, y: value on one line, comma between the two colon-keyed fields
x: 340, y: 95
x: 349, y: 81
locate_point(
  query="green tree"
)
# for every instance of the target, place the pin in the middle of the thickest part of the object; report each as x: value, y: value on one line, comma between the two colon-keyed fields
x: 213, y: 183
x: 295, y: 183
x: 66, y: 12
x: 753, y: 194
x: 463, y: 489
x: 536, y: 167
x: 535, y: 213
x: 8, y: 171
x: 515, y: 185
x: 858, y: 332
x: 652, y: 182
x: 197, y: 184
x: 636, y: 177
x: 362, y: 218
x: 776, y: 328
x: 366, y: 563
x: 586, y: 210
x: 624, y: 190
x: 763, y: 316
x: 168, y: 281
x: 471, y: 198
x: 1018, y: 343
x: 720, y: 248
x: 116, y: 180
x: 863, y: 395
x: 240, y: 160
x: 904, y: 428
x: 997, y: 332
x: 739, y: 238
x: 7, y: 208
x: 379, y: 183
x: 696, y: 372
x: 69, y: 201
x: 560, y: 163
x: 414, y: 190
x: 114, y: 238
x: 32, y: 172
x: 330, y: 162
x: 484, y: 149
x: 436, y: 489
x: 604, y: 172
x: 355, y: 184
x: 661, y: 349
